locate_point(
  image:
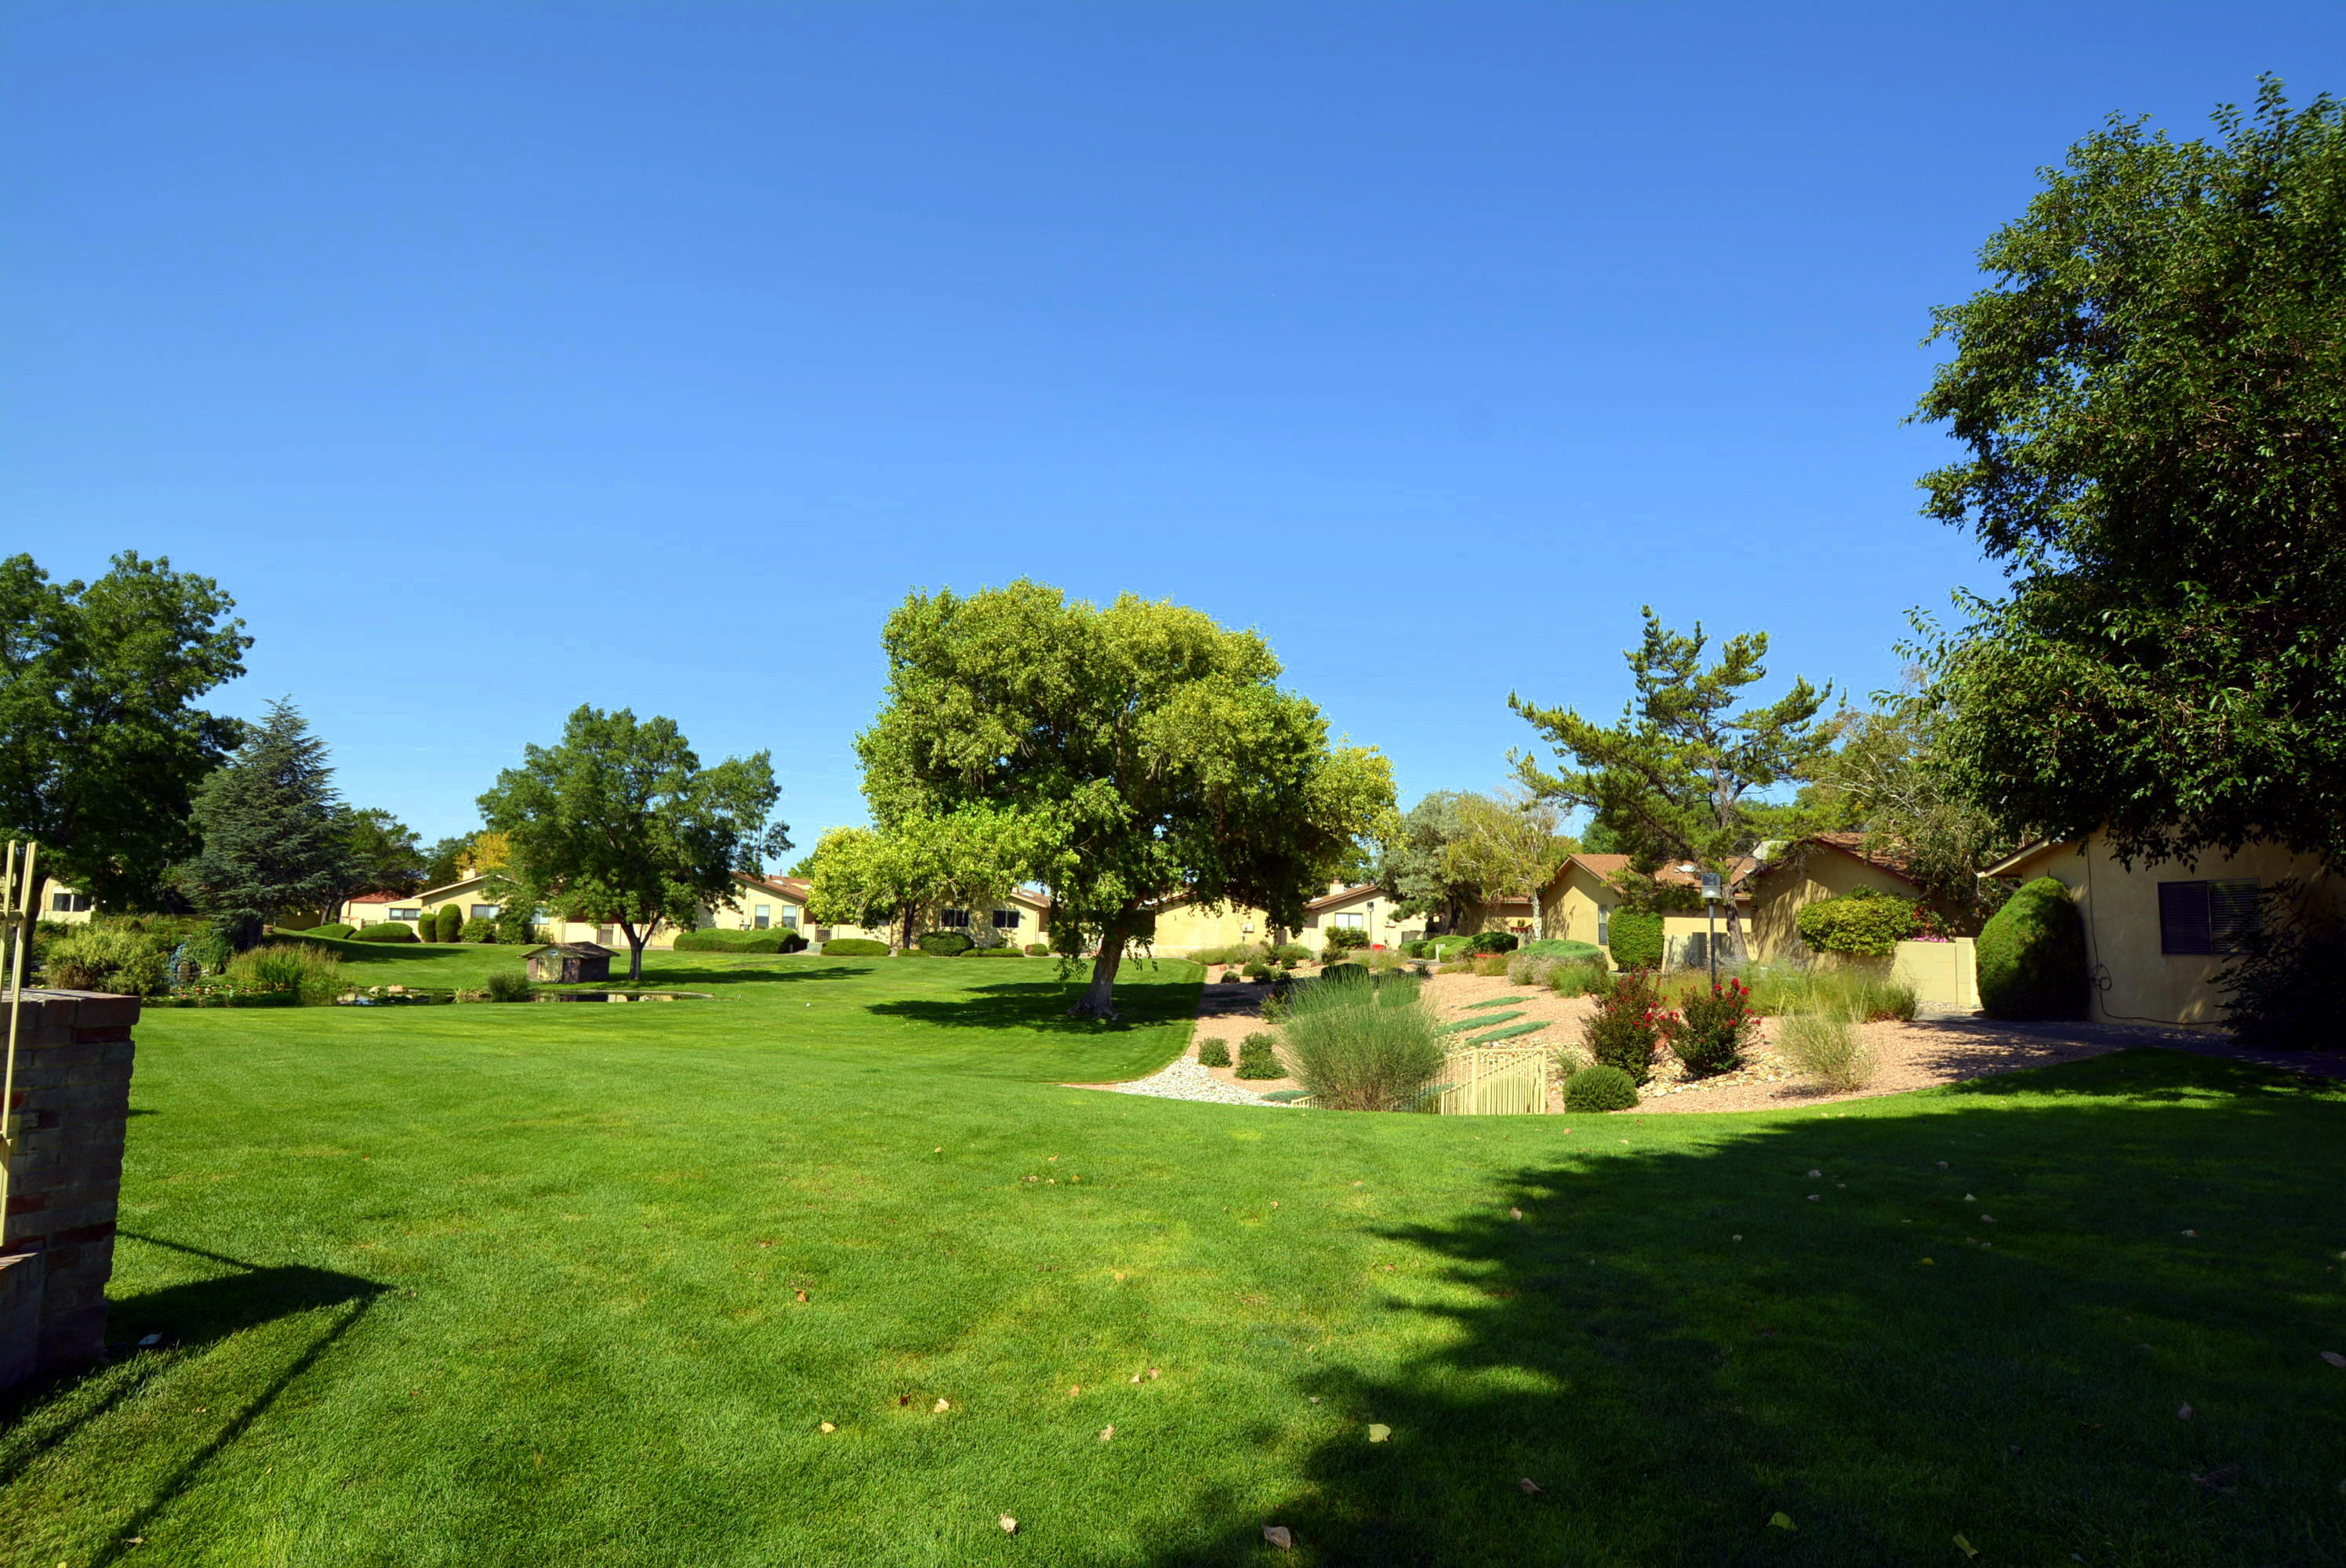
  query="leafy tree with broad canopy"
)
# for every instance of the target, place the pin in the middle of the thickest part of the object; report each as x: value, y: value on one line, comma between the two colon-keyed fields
x: 620, y: 824
x: 966, y: 859
x: 2153, y: 392
x: 1672, y: 777
x: 274, y: 833
x: 1137, y: 751
x: 101, y: 745
x: 1455, y: 850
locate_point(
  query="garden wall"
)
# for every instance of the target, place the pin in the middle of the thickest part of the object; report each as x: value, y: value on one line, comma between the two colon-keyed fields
x: 71, y: 1105
x: 1942, y: 973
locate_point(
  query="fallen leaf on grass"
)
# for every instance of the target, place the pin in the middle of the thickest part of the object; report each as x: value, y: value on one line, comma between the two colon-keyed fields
x: 826, y: 1427
x: 1075, y: 1389
x: 1152, y: 1371
x: 938, y: 1150
x: 1514, y: 1214
x: 1379, y: 1431
x: 1276, y: 1534
x: 1106, y: 1432
x: 1816, y: 1198
x: 1816, y: 1172
x: 941, y: 1406
x: 1009, y: 1525
x: 802, y: 1295
x: 2192, y: 1233
x: 2183, y: 1414
x: 2333, y: 1357
x: 1966, y: 1546
x: 1783, y: 1522
x: 1529, y: 1488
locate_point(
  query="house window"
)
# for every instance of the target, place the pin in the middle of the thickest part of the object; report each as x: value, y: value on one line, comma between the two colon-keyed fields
x: 953, y: 920
x: 789, y: 918
x: 2207, y: 917
x: 606, y: 935
x: 1603, y: 925
x: 484, y: 912
x: 1355, y: 922
x: 69, y: 903
x: 761, y: 917
x: 1005, y: 920
x: 409, y: 912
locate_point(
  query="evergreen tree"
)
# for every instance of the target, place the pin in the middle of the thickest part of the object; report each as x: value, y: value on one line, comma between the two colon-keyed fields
x: 273, y: 833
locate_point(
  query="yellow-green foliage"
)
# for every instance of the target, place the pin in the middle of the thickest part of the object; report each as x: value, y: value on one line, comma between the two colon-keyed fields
x: 1866, y: 924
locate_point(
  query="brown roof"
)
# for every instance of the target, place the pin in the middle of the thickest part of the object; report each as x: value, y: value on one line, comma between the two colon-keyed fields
x: 1604, y: 868
x: 1888, y: 857
x: 1342, y: 896
x: 790, y: 887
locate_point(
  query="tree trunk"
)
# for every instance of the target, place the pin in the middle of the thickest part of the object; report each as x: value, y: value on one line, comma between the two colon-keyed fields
x: 1098, y: 998
x: 635, y: 952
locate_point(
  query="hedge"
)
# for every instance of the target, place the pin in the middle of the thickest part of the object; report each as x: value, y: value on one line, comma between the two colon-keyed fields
x: 1864, y: 925
x: 337, y: 931
x: 945, y: 944
x: 385, y: 930
x: 2031, y: 955
x: 1559, y: 947
x: 1004, y: 951
x: 1636, y: 938
x: 855, y: 947
x: 479, y: 928
x: 713, y: 939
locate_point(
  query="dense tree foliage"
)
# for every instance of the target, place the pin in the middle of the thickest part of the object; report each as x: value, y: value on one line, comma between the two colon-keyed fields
x: 1455, y: 850
x: 2153, y: 392
x: 101, y: 745
x: 273, y: 832
x: 1673, y: 776
x: 967, y: 859
x: 1142, y: 751
x: 620, y: 824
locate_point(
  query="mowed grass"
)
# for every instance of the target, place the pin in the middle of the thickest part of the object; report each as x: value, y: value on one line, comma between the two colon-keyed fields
x: 521, y: 1285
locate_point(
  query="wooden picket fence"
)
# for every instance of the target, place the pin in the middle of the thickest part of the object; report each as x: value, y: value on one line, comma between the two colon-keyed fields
x: 1494, y: 1081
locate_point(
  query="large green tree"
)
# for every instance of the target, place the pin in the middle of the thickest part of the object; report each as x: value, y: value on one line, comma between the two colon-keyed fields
x: 620, y: 824
x: 1676, y: 774
x: 273, y: 831
x: 920, y: 864
x: 381, y: 855
x: 101, y: 744
x: 2153, y: 392
x: 1142, y: 751
x: 1455, y: 850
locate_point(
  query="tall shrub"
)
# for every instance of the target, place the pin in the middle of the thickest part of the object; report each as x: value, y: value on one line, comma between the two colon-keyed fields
x: 1864, y: 925
x: 1630, y: 1025
x: 2032, y: 956
x: 1715, y: 1029
x: 1635, y: 936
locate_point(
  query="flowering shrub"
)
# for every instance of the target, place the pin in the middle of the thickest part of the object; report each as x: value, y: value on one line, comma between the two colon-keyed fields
x: 1631, y: 1024
x: 1715, y: 1030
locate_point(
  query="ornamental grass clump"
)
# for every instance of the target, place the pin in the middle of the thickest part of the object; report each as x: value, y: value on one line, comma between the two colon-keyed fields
x: 1581, y: 977
x: 1630, y: 1023
x: 295, y: 968
x: 1358, y: 1046
x: 1715, y: 1028
x: 1600, y: 1088
x: 1825, y: 1046
x: 508, y: 985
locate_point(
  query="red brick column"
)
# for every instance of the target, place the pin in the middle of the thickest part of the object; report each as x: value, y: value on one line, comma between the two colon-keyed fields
x: 71, y: 1105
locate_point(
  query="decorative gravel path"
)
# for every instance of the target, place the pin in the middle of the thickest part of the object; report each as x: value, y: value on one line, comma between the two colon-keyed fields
x: 1185, y: 1080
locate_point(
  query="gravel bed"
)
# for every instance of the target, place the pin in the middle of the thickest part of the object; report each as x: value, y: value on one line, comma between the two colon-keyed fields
x: 1185, y: 1080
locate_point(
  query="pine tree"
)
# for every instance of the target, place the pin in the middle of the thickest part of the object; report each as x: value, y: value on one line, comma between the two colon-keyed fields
x: 273, y: 835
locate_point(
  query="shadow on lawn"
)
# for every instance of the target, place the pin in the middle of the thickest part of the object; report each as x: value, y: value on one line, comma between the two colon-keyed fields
x: 189, y: 1317
x: 1670, y: 1388
x: 1043, y: 1005
x: 671, y: 973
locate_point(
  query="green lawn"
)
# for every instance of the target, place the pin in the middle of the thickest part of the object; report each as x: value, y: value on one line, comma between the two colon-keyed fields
x: 488, y: 1285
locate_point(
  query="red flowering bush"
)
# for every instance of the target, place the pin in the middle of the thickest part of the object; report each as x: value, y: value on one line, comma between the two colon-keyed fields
x: 1715, y: 1030
x: 1631, y: 1024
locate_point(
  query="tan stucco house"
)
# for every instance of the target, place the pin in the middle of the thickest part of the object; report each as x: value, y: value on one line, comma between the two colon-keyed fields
x: 1363, y: 907
x: 66, y: 904
x: 2158, y: 936
x: 1184, y: 926
x: 1820, y: 866
x: 1578, y: 902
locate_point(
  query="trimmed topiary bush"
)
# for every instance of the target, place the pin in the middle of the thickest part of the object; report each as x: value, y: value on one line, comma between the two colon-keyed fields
x: 2031, y: 955
x: 477, y: 930
x: 1599, y: 1088
x: 446, y: 923
x: 1038, y: 949
x: 712, y: 940
x: 945, y: 944
x: 1258, y: 1059
x: 337, y: 931
x: 1214, y: 1053
x: 1635, y: 936
x: 385, y: 930
x: 1491, y: 941
x: 855, y: 947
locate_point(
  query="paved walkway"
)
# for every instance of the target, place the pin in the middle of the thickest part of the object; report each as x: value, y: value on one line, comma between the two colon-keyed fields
x: 2198, y: 1041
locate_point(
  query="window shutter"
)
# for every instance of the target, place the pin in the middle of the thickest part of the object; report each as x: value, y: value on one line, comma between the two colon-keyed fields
x: 2232, y: 914
x: 2183, y: 924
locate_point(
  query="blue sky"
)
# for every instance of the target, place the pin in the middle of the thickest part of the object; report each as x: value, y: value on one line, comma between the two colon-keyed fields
x: 499, y: 358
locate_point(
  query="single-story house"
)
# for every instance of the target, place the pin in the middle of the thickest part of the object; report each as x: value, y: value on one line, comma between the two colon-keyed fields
x: 1789, y: 877
x: 1578, y: 902
x: 1184, y: 927
x: 2158, y: 936
x: 1363, y: 907
x: 376, y: 909
x: 60, y: 902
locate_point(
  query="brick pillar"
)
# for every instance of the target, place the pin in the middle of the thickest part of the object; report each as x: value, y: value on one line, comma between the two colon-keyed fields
x: 56, y: 1241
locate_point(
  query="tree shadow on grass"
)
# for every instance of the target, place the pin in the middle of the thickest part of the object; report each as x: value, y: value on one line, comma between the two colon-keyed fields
x: 656, y: 976
x: 1670, y: 1388
x: 185, y: 1317
x: 1042, y: 1005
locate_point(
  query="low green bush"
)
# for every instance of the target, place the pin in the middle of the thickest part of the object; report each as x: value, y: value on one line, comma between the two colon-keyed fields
x: 713, y: 939
x: 107, y: 957
x: 1866, y: 924
x: 1004, y: 951
x: 1339, y: 940
x: 1038, y: 949
x: 1290, y: 953
x: 1343, y: 973
x: 1258, y: 971
x: 1259, y: 1058
x: 298, y: 969
x: 338, y: 932
x: 479, y: 928
x: 385, y: 930
x: 1214, y: 1053
x: 508, y: 985
x: 944, y: 943
x: 1490, y: 942
x: 2031, y: 955
x: 1600, y: 1088
x: 1635, y: 936
x: 1560, y: 947
x: 1586, y: 977
x: 855, y: 947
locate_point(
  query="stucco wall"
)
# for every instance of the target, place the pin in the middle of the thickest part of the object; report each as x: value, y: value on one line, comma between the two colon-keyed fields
x: 1782, y: 892
x: 2134, y: 983
x: 1376, y: 911
x: 50, y: 888
x: 1185, y: 928
x: 1571, y: 902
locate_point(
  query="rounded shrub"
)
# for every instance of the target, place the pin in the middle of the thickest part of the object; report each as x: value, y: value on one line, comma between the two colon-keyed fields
x: 1290, y: 953
x: 1635, y: 936
x: 1491, y: 941
x: 1866, y: 924
x: 1344, y: 974
x: 1344, y: 939
x: 1214, y: 1053
x: 1258, y: 971
x: 2031, y: 955
x: 338, y: 930
x: 713, y: 939
x: 1599, y: 1088
x: 385, y: 930
x: 1258, y: 1058
x: 446, y: 923
x: 1038, y: 949
x: 945, y: 944
x: 478, y: 929
x: 855, y: 947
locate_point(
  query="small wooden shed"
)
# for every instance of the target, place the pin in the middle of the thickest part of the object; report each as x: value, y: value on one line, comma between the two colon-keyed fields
x: 568, y: 961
